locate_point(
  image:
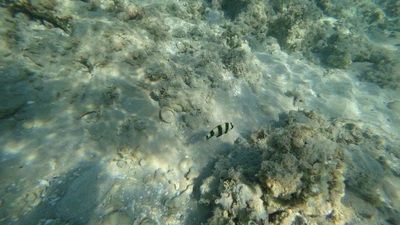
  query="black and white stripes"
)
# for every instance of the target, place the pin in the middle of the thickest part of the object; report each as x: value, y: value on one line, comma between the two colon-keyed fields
x: 220, y: 130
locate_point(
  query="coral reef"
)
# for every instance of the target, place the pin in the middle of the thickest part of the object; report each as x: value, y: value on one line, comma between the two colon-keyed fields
x: 297, y: 172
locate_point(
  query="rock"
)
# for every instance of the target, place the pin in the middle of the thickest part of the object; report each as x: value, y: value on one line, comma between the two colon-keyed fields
x: 185, y: 164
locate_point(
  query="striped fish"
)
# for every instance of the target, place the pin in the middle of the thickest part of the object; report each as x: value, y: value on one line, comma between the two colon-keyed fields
x: 220, y: 130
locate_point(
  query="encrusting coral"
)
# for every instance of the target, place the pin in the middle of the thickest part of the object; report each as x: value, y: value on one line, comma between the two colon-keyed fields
x: 295, y: 172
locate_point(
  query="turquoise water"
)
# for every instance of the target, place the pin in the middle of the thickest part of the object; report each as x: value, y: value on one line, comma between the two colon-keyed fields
x: 106, y: 105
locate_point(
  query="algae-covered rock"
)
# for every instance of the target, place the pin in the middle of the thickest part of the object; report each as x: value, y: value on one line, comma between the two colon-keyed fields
x: 299, y: 161
x: 299, y: 171
x: 239, y: 202
x: 44, y: 10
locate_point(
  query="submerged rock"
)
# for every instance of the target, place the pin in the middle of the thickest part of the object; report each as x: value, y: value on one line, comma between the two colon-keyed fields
x: 296, y: 172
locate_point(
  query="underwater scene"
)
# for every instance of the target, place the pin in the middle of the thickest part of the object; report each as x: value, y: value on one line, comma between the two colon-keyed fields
x: 199, y: 112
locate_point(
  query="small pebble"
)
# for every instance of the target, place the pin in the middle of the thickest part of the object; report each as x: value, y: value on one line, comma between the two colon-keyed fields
x: 142, y: 162
x: 121, y: 163
x: 44, y: 183
x: 185, y: 164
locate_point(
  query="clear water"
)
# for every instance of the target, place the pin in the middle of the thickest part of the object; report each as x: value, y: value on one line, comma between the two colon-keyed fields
x: 106, y: 105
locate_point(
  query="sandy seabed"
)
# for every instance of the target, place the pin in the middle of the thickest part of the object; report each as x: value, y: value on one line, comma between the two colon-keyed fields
x: 106, y: 104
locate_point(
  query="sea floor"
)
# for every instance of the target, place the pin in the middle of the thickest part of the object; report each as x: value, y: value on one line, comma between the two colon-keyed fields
x: 106, y: 106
